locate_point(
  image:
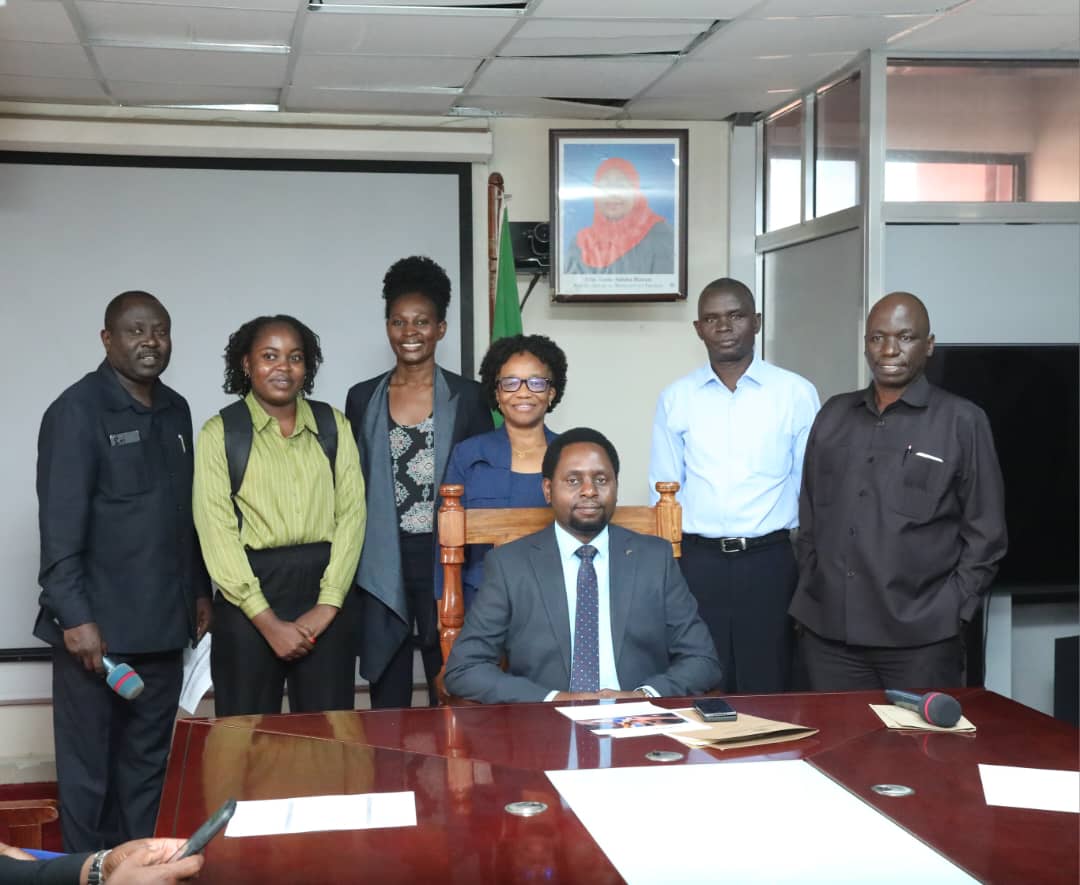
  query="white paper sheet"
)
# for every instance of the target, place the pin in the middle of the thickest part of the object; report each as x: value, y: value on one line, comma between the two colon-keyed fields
x: 605, y: 711
x: 308, y: 814
x: 626, y: 720
x: 734, y: 816
x: 1045, y: 789
x: 197, y: 679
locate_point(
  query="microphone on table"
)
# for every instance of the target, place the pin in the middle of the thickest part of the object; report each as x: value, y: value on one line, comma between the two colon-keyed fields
x: 122, y: 679
x: 935, y: 707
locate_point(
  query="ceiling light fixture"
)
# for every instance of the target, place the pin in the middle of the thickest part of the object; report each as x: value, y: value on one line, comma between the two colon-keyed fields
x: 384, y: 9
x: 260, y: 48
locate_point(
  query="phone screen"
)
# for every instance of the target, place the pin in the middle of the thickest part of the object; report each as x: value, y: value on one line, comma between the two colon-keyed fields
x: 210, y: 828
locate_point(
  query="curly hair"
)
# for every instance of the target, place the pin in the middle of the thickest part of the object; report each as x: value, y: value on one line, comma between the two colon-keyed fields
x: 417, y: 274
x: 568, y: 438
x: 539, y: 346
x: 241, y: 341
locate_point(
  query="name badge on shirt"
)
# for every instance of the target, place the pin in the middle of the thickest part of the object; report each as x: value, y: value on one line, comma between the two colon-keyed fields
x: 124, y: 439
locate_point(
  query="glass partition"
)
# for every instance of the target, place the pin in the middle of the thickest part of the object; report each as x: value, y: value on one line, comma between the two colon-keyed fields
x: 1000, y: 131
x: 836, y: 147
x: 783, y: 167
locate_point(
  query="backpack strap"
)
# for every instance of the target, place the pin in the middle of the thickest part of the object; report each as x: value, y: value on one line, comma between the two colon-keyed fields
x: 238, y: 438
x: 327, y: 432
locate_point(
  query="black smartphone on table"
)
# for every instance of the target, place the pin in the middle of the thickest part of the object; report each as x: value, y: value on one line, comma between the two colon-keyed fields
x: 715, y: 710
x: 202, y: 836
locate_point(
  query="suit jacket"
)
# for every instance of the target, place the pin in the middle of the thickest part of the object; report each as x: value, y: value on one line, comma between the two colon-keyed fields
x: 521, y: 613
x: 460, y: 411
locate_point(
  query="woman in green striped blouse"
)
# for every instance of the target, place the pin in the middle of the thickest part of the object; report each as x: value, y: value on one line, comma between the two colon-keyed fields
x: 283, y: 549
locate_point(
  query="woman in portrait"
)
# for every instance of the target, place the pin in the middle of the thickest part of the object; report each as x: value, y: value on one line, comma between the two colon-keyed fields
x: 279, y: 508
x: 407, y: 420
x: 524, y: 377
x: 626, y: 236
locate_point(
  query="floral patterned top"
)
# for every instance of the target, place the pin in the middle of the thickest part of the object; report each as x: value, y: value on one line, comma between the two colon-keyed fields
x: 412, y: 453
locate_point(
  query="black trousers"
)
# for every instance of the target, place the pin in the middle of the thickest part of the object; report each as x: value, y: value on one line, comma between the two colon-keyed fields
x: 111, y: 753
x: 394, y: 687
x: 743, y: 599
x: 836, y: 666
x: 248, y: 676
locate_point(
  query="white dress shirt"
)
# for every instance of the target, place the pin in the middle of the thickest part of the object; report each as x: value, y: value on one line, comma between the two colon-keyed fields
x: 737, y: 455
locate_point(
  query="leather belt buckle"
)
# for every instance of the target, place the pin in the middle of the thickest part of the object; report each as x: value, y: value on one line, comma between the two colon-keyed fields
x: 732, y: 545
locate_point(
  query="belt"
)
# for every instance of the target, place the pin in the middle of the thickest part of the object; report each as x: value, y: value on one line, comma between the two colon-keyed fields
x: 739, y: 545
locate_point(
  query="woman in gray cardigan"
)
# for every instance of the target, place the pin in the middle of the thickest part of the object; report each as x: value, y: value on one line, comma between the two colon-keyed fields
x: 406, y: 421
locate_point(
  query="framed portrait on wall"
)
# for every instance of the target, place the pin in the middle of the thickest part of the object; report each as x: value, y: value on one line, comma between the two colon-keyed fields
x: 618, y: 214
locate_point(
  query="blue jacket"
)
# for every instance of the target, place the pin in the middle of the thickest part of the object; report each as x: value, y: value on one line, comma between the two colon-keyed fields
x: 482, y: 464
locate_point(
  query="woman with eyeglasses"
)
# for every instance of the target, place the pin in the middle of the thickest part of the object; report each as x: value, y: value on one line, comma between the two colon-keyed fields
x: 524, y: 377
x: 406, y: 421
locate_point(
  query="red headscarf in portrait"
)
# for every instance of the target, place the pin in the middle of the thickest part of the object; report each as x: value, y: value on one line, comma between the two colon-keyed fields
x: 606, y: 241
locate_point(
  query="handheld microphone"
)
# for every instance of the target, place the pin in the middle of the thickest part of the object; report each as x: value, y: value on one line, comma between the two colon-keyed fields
x: 935, y: 707
x: 122, y: 679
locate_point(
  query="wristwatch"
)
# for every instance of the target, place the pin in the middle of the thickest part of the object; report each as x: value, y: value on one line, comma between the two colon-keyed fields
x: 96, y: 876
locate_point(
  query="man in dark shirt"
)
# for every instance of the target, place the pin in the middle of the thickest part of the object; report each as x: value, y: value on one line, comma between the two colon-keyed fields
x: 121, y: 574
x: 902, y: 519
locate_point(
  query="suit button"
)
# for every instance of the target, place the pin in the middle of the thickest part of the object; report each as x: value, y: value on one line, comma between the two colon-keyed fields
x: 851, y: 574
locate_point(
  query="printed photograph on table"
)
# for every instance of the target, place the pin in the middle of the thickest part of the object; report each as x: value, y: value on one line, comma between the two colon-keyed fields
x: 618, y: 213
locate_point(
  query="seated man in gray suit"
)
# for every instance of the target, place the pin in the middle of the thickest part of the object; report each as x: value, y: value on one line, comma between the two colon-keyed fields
x: 582, y: 610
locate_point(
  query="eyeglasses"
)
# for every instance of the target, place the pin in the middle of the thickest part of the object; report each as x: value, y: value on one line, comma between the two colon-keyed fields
x: 535, y: 383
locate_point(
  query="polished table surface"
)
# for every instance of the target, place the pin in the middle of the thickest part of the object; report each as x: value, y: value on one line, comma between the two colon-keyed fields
x: 464, y: 765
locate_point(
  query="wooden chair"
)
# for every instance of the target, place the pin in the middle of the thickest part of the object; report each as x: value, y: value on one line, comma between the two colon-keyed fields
x: 459, y: 527
x: 24, y: 818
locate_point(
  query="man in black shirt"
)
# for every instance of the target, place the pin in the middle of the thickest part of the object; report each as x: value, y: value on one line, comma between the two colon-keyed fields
x: 121, y: 574
x: 901, y: 519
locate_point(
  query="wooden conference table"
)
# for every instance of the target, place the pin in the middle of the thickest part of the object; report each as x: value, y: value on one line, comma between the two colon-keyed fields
x: 466, y: 763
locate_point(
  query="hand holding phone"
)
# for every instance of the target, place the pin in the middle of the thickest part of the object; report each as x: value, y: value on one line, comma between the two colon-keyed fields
x: 715, y: 710
x: 213, y: 825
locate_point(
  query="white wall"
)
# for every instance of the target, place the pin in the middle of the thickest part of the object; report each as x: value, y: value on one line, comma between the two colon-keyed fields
x: 620, y: 356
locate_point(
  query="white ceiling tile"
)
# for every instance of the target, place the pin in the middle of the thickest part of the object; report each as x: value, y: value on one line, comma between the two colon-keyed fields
x: 801, y: 36
x: 50, y: 89
x: 599, y: 37
x: 716, y: 107
x: 434, y: 34
x: 138, y: 22
x: 178, y: 93
x: 64, y: 60
x: 268, y: 5
x: 380, y: 72
x: 359, y: 102
x: 191, y: 66
x: 36, y: 22
x: 521, y: 106
x: 804, y: 9
x: 1024, y: 7
x: 989, y: 33
x: 706, y: 10
x: 696, y: 78
x: 568, y: 77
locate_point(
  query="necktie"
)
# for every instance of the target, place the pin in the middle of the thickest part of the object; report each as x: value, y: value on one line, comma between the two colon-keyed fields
x: 585, y: 666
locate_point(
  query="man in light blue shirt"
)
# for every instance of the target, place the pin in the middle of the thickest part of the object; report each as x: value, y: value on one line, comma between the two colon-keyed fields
x: 733, y: 434
x: 581, y: 609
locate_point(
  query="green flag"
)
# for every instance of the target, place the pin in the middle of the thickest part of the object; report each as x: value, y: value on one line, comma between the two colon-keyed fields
x: 507, y: 320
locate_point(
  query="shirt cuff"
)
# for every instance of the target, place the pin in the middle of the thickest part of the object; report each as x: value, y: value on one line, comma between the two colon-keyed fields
x: 254, y: 604
x: 649, y: 690
x: 334, y: 596
x: 550, y: 696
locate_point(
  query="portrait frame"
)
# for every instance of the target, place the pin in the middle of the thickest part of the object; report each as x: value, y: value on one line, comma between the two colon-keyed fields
x: 618, y: 214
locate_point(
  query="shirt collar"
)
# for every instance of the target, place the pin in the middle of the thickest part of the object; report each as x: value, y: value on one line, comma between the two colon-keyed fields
x: 754, y: 372
x: 916, y: 395
x: 305, y: 419
x: 568, y: 544
x: 120, y: 398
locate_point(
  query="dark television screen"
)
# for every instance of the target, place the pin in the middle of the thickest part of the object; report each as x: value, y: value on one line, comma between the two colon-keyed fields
x: 1030, y: 394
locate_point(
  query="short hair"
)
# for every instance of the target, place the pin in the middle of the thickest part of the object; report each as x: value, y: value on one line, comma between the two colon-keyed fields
x: 419, y: 275
x: 729, y: 284
x: 539, y: 346
x: 240, y: 342
x: 568, y: 438
x: 121, y: 302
